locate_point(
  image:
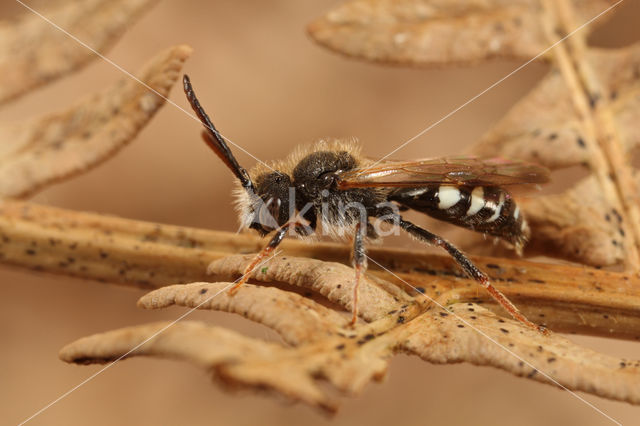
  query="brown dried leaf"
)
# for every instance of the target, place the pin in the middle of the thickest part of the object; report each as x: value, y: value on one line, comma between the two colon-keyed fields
x: 237, y: 360
x: 54, y: 147
x: 546, y: 126
x: 33, y: 52
x: 585, y: 112
x: 437, y: 32
x: 322, y: 346
x: 571, y: 225
x: 266, y: 306
x: 443, y: 340
x: 126, y: 251
x: 111, y: 249
x: 331, y: 280
x: 564, y: 123
x: 318, y: 346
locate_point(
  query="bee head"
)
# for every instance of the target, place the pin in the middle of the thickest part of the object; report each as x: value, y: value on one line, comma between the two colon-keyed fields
x: 268, y: 208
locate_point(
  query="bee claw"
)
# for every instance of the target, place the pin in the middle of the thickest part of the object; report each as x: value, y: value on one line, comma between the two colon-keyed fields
x: 354, y: 319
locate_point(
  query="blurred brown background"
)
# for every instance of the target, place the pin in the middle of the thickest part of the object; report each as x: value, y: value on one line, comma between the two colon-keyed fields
x: 268, y: 88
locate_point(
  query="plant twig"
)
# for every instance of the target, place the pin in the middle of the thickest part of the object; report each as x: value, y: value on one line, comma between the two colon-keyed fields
x: 124, y: 251
x: 33, y: 52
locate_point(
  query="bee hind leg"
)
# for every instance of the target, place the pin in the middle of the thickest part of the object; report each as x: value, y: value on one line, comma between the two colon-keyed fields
x: 471, y: 269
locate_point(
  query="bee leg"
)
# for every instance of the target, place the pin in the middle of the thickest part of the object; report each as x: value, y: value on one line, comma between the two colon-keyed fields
x: 360, y: 266
x: 471, y: 269
x: 266, y: 251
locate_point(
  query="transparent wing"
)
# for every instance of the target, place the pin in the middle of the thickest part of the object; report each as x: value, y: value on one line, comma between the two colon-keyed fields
x: 453, y: 170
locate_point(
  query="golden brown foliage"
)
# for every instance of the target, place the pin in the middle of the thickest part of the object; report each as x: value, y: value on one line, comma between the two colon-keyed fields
x: 33, y: 52
x: 47, y: 149
x: 410, y: 302
x: 306, y: 298
x: 440, y: 32
x: 320, y: 345
x: 585, y: 111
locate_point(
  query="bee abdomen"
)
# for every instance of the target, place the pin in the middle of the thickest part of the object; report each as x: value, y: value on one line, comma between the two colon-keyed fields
x: 490, y: 210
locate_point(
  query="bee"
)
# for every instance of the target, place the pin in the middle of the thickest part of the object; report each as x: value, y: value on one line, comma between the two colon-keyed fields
x: 318, y: 186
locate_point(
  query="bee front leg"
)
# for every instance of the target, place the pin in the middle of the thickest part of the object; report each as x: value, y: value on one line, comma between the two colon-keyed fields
x: 266, y: 251
x: 360, y: 266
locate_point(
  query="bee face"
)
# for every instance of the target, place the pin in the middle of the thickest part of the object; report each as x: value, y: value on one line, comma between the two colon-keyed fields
x: 270, y: 208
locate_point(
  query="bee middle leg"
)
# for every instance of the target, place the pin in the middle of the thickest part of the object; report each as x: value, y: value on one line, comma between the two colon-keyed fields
x: 359, y: 264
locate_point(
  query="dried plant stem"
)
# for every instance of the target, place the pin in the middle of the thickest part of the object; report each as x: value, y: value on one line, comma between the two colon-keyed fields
x: 110, y: 249
x: 609, y: 138
x: 606, y: 155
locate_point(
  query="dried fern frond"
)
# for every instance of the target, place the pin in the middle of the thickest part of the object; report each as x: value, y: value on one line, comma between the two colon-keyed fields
x: 437, y: 32
x: 597, y: 220
x: 583, y: 113
x: 111, y: 249
x: 47, y: 149
x: 33, y: 52
x: 410, y: 302
x: 322, y: 347
x: 296, y: 318
x: 320, y: 343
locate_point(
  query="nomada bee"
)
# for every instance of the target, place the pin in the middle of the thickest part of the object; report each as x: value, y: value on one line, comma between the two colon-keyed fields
x: 331, y: 175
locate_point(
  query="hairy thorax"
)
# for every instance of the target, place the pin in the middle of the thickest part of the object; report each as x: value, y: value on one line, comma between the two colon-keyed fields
x: 304, y: 185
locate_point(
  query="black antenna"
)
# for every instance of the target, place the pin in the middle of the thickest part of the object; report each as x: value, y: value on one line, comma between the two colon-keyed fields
x: 214, y: 139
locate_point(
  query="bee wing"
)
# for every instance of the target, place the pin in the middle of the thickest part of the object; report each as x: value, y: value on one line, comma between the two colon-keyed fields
x: 452, y: 170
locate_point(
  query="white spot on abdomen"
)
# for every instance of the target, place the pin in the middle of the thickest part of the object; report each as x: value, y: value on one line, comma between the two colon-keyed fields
x: 448, y: 196
x: 496, y: 214
x: 417, y: 192
x: 516, y: 213
x: 477, y: 201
